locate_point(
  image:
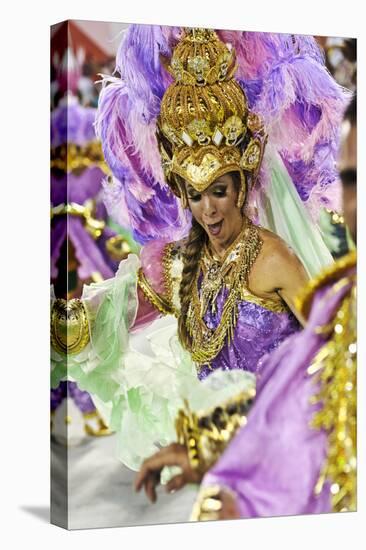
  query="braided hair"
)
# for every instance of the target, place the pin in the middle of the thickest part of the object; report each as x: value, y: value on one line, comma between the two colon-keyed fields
x: 196, y: 240
x: 192, y: 252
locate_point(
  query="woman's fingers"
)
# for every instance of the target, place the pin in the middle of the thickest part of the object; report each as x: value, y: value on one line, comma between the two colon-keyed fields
x: 169, y: 456
x: 151, y: 465
x: 176, y: 483
x: 150, y: 484
x: 149, y: 474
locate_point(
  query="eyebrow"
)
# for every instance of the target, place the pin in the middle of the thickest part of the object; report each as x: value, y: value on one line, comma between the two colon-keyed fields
x: 219, y: 183
x: 191, y: 189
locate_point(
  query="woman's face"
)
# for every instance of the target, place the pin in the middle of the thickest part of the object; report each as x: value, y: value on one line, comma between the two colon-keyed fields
x: 216, y: 210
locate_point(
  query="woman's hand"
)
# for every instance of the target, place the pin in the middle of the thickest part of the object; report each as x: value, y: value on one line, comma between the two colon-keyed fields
x: 173, y: 455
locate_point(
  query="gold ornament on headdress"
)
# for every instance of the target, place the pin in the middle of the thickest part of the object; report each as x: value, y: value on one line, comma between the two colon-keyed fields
x: 205, y: 128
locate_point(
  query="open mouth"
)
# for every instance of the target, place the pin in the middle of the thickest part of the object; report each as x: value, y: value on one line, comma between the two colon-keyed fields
x: 215, y: 228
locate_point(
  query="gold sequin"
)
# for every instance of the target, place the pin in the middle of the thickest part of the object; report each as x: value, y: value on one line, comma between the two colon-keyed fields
x: 334, y: 368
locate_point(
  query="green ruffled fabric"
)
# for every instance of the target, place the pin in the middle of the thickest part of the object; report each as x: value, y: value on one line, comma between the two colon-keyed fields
x: 284, y: 213
x: 156, y: 387
x: 138, y: 394
x: 111, y: 307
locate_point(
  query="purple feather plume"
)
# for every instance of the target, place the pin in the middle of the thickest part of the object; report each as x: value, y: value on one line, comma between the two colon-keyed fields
x: 126, y: 125
x: 286, y: 82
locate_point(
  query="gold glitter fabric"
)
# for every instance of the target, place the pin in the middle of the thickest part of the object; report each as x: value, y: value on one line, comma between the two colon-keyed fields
x: 335, y: 368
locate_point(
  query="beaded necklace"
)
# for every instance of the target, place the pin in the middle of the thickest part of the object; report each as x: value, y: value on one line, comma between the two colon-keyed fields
x: 238, y: 260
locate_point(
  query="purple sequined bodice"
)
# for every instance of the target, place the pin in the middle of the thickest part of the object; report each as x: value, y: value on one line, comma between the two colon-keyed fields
x: 258, y: 331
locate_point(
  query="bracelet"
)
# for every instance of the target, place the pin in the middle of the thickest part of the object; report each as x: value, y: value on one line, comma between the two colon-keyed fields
x: 206, y: 435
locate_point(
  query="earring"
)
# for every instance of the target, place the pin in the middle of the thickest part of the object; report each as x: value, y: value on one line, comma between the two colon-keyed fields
x: 241, y: 199
x: 242, y: 190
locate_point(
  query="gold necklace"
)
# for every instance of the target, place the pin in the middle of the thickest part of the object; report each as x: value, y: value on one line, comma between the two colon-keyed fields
x: 240, y: 257
x: 215, y: 270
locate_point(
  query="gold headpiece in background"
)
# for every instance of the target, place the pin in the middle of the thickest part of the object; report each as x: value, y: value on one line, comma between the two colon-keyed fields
x: 205, y: 128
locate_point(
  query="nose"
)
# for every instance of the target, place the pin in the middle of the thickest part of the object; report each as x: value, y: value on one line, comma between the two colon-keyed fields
x: 208, y: 205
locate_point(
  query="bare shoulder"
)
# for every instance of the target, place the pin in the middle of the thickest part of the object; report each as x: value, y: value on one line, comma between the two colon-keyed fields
x: 277, y: 263
x: 275, y: 249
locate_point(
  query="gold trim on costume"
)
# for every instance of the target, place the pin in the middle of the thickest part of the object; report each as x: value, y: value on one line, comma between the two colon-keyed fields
x: 266, y: 303
x: 207, y: 343
x: 167, y: 267
x: 206, y: 434
x: 207, y: 505
x: 118, y: 247
x: 330, y: 273
x: 335, y: 369
x: 158, y: 301
x: 93, y: 226
x: 101, y: 428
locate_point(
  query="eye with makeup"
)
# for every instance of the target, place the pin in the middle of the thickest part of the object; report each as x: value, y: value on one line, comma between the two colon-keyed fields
x: 219, y: 191
x: 195, y: 197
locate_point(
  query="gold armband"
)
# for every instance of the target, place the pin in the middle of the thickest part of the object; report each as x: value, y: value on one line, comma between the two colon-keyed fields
x: 207, y: 435
x: 158, y: 301
x: 69, y: 326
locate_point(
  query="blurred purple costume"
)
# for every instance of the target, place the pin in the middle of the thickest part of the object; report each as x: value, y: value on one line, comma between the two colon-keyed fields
x: 70, y: 389
x: 72, y: 124
x: 274, y: 462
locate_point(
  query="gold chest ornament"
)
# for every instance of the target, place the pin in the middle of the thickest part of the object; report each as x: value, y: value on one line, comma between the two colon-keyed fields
x: 232, y: 272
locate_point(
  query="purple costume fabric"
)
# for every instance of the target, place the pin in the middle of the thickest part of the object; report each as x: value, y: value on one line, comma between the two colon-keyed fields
x: 258, y: 331
x: 70, y: 389
x: 274, y: 462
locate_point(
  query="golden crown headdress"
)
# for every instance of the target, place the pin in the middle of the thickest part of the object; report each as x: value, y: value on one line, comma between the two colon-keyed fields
x: 205, y: 128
